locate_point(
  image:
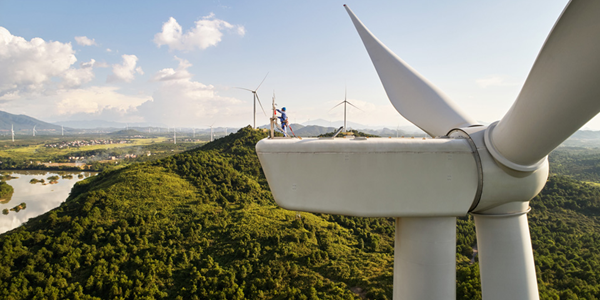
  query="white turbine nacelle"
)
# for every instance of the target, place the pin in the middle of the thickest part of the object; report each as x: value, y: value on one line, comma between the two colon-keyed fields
x: 406, y: 177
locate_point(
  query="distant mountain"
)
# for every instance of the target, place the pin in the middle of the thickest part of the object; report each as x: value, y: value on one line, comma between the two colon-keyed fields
x: 126, y: 132
x: 25, y: 123
x: 313, y: 130
x: 90, y: 124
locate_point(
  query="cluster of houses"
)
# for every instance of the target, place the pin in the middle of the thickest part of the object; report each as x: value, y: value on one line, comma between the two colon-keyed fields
x: 84, y: 143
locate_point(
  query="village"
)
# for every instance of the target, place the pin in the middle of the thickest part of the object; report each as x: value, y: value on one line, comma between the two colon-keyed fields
x: 85, y: 143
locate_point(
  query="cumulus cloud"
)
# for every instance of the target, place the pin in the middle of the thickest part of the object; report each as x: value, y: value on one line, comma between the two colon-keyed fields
x: 207, y: 32
x: 106, y: 102
x: 31, y: 66
x: 173, y: 74
x: 85, y: 41
x: 126, y: 70
x: 181, y: 101
x: 77, y: 77
x: 97, y: 99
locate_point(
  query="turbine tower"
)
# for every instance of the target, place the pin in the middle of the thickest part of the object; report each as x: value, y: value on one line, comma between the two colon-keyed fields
x: 12, y: 131
x: 62, y: 130
x: 254, y: 92
x: 34, y: 130
x: 211, y: 132
x: 345, y: 102
x: 174, y: 136
x: 491, y: 172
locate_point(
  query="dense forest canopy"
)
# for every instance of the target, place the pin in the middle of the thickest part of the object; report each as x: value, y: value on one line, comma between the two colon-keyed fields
x: 203, y: 225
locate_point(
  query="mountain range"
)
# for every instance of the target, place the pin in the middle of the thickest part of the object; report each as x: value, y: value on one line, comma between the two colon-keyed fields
x: 22, y: 123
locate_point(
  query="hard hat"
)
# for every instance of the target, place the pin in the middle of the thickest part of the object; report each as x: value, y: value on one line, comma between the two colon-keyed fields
x: 283, y: 108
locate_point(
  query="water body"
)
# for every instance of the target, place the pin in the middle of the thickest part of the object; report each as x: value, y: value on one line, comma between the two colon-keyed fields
x: 38, y: 198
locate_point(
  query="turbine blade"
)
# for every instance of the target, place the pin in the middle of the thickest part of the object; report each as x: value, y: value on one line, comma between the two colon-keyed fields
x: 354, y: 106
x: 241, y: 88
x: 412, y: 95
x: 560, y: 94
x: 261, y: 107
x: 337, y: 105
x: 261, y: 82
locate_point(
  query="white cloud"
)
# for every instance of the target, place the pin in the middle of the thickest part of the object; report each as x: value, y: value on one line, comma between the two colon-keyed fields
x: 170, y: 74
x: 77, y: 77
x: 207, y: 32
x: 101, y: 65
x: 108, y: 50
x: 180, y: 101
x: 31, y: 66
x: 106, y: 102
x: 85, y: 41
x: 125, y: 71
x: 97, y: 99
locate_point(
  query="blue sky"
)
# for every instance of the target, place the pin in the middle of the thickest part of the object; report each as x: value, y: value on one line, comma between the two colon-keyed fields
x: 132, y: 70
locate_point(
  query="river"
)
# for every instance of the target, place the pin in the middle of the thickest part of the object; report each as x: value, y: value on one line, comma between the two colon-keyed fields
x: 39, y: 198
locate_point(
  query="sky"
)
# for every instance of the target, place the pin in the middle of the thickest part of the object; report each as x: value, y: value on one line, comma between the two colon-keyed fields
x: 179, y: 63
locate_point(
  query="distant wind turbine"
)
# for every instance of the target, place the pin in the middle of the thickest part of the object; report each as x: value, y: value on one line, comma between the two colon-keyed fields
x: 345, y: 102
x: 174, y: 136
x: 256, y: 98
x: 211, y: 132
x: 34, y: 130
x: 62, y: 130
x: 12, y: 131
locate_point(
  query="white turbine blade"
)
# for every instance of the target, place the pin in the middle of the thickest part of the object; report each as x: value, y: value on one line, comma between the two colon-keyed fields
x: 256, y: 89
x: 412, y: 95
x: 354, y: 106
x: 337, y: 105
x: 241, y: 88
x: 561, y: 93
x: 261, y: 107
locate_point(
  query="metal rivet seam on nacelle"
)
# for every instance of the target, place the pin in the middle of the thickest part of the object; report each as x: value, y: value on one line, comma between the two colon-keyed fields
x: 501, y: 184
x: 371, y: 178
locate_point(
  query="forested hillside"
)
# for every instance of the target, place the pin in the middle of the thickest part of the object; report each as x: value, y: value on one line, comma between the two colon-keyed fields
x: 203, y: 225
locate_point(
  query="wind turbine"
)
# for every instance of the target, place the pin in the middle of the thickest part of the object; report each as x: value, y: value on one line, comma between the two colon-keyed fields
x: 34, y: 130
x: 62, y: 130
x: 211, y: 132
x: 12, y: 131
x: 345, y: 102
x: 254, y: 92
x: 174, y: 136
x: 491, y: 172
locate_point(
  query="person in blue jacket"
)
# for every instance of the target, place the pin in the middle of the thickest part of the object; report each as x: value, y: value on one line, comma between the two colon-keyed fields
x: 284, y: 120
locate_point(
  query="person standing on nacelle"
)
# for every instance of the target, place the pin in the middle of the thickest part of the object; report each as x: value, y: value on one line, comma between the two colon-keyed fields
x: 284, y: 121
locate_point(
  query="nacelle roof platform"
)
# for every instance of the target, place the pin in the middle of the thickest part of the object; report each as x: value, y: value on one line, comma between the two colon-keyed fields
x: 374, y: 177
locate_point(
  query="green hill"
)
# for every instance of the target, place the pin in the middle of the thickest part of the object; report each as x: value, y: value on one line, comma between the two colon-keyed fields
x: 23, y: 123
x: 126, y: 132
x: 203, y: 225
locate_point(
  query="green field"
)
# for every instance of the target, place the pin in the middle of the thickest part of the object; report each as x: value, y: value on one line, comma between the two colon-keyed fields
x: 39, y: 151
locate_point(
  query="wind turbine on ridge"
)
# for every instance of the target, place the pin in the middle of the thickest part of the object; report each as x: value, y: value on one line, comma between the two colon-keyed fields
x: 345, y: 102
x: 490, y: 172
x: 211, y: 132
x: 255, y: 95
x: 34, y: 130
